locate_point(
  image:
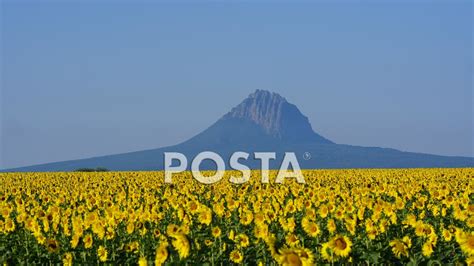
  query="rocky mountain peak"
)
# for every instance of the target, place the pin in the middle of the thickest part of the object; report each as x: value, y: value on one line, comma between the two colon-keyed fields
x: 276, y: 116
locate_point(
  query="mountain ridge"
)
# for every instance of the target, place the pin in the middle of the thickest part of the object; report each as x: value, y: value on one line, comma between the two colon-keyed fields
x: 264, y: 121
x: 272, y: 115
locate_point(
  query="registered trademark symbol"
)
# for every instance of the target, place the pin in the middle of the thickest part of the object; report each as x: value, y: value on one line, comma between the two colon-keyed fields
x: 306, y: 156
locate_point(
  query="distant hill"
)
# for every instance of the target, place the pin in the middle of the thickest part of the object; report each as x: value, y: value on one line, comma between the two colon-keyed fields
x: 264, y: 122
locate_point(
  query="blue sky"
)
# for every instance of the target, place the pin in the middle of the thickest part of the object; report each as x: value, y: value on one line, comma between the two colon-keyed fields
x: 83, y: 79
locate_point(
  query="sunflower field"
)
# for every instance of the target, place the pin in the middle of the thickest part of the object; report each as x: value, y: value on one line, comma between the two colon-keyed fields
x: 399, y: 216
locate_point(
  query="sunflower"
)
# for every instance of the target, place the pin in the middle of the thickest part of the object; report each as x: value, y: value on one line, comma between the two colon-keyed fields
x: 428, y: 230
x: 231, y: 235
x: 331, y: 226
x: 216, y: 232
x: 9, y: 225
x: 133, y: 247
x: 470, y: 261
x: 313, y: 230
x: 410, y: 220
x: 361, y: 213
x: 75, y: 240
x: 427, y: 249
x: 407, y: 241
x: 243, y: 240
x: 294, y: 256
x: 467, y: 244
x: 341, y: 245
x: 102, y: 253
x: 400, y: 247
x: 470, y: 222
x: 447, y: 236
x: 289, y: 258
x: 205, y: 216
x: 88, y: 240
x: 192, y: 206
x: 208, y: 242
x: 172, y: 230
x: 292, y: 240
x: 219, y: 209
x: 419, y: 229
x: 306, y: 256
x: 236, y: 256
x: 339, y: 213
x: 246, y: 217
x: 181, y: 245
x: 371, y: 233
x: 310, y: 228
x: 130, y: 228
x: 52, y: 245
x: 259, y: 219
x: 326, y: 252
x: 323, y: 211
x: 161, y: 253
x: 67, y: 259
x: 142, y: 261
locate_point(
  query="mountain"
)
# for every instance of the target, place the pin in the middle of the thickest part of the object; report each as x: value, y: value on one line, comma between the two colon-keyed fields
x: 263, y: 117
x: 264, y: 122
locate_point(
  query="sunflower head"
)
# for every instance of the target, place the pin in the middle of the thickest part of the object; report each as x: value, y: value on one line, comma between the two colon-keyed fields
x: 236, y: 256
x: 52, y: 245
x: 341, y: 245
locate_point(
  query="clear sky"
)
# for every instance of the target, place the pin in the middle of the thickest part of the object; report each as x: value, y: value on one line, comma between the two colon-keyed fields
x: 85, y: 79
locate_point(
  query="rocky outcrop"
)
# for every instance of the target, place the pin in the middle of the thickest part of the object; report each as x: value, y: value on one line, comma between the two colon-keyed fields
x: 276, y: 116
